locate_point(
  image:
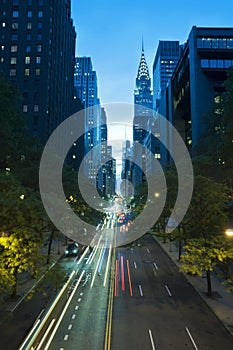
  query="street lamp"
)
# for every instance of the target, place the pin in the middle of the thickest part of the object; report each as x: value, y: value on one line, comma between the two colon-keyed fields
x: 229, y: 232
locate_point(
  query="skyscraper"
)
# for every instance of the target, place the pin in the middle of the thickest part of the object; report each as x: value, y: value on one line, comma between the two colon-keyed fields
x: 166, y: 58
x: 143, y: 105
x: 85, y: 81
x: 37, y: 54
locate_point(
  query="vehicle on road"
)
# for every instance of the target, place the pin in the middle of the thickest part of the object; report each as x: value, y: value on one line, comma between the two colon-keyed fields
x: 71, y: 250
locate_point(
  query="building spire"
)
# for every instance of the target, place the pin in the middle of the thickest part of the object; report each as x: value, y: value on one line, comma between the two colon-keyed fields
x: 143, y: 71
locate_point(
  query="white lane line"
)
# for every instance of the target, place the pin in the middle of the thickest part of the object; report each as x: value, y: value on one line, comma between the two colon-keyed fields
x: 155, y: 266
x: 140, y: 290
x: 83, y: 256
x: 155, y: 273
x: 81, y: 294
x: 148, y: 250
x: 191, y: 338
x: 107, y: 267
x: 76, y: 307
x: 63, y: 313
x: 66, y: 337
x: 168, y: 291
x: 135, y: 265
x: 98, y: 262
x: 152, y: 340
x: 79, y: 299
x: 73, y: 316
x: 69, y: 327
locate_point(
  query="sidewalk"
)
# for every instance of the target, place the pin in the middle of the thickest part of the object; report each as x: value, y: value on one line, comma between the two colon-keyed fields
x: 24, y: 286
x: 221, y: 302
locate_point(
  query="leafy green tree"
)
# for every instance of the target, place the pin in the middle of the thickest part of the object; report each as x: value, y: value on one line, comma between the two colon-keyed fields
x: 12, y: 124
x: 202, y: 255
x: 206, y: 215
x: 21, y: 227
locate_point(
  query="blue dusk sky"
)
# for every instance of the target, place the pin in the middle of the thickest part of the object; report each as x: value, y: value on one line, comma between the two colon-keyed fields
x: 111, y: 31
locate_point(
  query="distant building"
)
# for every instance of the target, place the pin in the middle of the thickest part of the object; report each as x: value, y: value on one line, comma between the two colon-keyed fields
x: 86, y: 89
x: 197, y: 84
x: 126, y: 174
x: 143, y: 104
x: 37, y: 54
x: 166, y: 58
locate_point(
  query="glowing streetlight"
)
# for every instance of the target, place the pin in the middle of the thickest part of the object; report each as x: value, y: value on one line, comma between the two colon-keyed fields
x: 229, y: 232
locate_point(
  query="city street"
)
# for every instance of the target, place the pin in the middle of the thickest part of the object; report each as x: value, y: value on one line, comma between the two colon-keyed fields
x: 163, y: 311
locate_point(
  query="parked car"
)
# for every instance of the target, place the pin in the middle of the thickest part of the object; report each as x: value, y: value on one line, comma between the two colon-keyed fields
x: 71, y: 250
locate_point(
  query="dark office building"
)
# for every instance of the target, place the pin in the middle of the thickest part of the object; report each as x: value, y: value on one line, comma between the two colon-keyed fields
x: 37, y: 54
x: 197, y: 83
x: 166, y: 58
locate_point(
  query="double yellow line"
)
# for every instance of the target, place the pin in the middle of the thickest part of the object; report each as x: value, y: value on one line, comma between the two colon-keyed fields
x: 108, y: 332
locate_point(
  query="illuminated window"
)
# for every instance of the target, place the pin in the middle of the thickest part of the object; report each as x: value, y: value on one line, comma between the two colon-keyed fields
x: 27, y: 72
x: 27, y: 60
x: 38, y: 60
x: 12, y: 72
x: 37, y: 72
x: 3, y: 48
x: 25, y: 108
x: 15, y: 25
x: 40, y: 14
x: 29, y: 14
x: 2, y: 59
x: 15, y: 14
x: 13, y: 60
x: 29, y: 25
x: 3, y: 24
x: 28, y: 48
x: 39, y: 48
x: 36, y: 108
x: 14, y: 48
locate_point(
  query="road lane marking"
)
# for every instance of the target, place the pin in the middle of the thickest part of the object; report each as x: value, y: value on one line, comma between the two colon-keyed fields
x: 168, y: 291
x: 55, y: 302
x: 129, y: 278
x: 155, y: 266
x: 148, y: 250
x: 83, y: 256
x: 73, y: 316
x: 140, y: 290
x: 155, y: 273
x: 76, y: 307
x: 108, y: 264
x: 122, y: 274
x: 81, y: 294
x: 66, y: 337
x: 93, y: 278
x: 152, y: 340
x: 63, y: 312
x: 191, y: 338
x: 79, y: 299
x: 69, y: 327
x: 135, y: 265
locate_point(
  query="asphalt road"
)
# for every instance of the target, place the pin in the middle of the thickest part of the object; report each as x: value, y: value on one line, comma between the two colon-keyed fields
x: 160, y: 310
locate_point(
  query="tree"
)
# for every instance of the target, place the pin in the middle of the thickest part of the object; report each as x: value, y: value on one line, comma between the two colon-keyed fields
x: 12, y: 124
x: 202, y: 255
x: 206, y: 215
x: 21, y: 227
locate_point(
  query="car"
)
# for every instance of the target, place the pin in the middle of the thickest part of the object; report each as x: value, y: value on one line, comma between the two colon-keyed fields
x: 72, y: 249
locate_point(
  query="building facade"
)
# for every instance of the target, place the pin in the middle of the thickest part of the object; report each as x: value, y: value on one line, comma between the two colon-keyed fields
x: 197, y: 83
x: 37, y: 54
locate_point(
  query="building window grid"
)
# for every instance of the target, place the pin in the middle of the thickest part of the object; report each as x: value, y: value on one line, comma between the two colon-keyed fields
x: 215, y: 43
x: 218, y: 63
